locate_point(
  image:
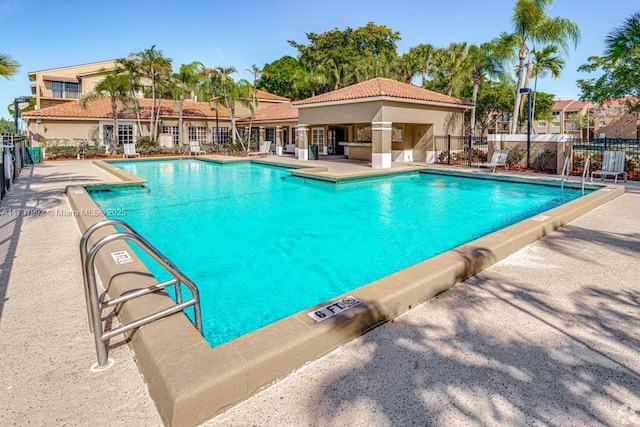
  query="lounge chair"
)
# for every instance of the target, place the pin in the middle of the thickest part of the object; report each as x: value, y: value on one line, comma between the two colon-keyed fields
x: 130, y: 150
x: 265, y: 149
x: 194, y: 148
x: 612, y: 165
x: 498, y: 158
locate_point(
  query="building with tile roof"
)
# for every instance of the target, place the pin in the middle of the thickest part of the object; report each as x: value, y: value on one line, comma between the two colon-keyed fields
x: 56, y: 86
x: 583, y: 119
x: 379, y: 120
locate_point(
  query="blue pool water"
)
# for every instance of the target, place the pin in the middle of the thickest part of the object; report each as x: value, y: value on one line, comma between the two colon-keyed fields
x: 262, y: 244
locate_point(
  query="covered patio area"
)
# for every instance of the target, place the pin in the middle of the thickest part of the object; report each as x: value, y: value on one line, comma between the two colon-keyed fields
x: 379, y: 120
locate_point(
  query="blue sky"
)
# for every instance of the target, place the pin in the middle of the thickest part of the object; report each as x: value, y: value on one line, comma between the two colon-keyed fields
x: 54, y: 33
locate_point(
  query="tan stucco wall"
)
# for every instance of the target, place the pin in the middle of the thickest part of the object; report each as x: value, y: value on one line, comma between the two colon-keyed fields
x: 360, y: 153
x: 70, y: 72
x: 63, y: 130
x: 361, y: 112
x: 445, y: 120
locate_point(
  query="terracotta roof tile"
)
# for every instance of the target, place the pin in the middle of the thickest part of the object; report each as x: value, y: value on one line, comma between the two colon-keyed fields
x: 276, y: 112
x: 266, y: 96
x: 101, y: 109
x: 378, y: 87
x: 569, y: 105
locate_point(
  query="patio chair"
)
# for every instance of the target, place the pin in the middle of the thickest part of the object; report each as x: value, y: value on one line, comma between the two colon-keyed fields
x: 612, y: 165
x: 498, y: 158
x: 265, y: 149
x: 130, y: 150
x: 194, y: 148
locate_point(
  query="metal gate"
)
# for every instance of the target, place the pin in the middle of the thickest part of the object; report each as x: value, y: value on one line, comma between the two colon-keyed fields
x: 594, y: 149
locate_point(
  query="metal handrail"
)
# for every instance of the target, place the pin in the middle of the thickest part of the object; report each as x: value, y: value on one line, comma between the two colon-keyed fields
x: 84, y: 240
x: 585, y: 172
x: 184, y: 153
x: 95, y: 307
x: 565, y: 171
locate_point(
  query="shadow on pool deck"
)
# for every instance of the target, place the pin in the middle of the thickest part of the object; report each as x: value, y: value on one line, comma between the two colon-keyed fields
x: 436, y: 374
x: 23, y: 203
x: 466, y: 369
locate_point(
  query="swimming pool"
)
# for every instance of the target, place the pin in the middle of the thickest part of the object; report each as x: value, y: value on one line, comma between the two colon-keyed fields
x: 262, y: 244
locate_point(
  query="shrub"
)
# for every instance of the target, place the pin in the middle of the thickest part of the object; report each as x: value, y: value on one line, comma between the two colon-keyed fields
x: 541, y: 157
x: 515, y: 156
x: 145, y: 142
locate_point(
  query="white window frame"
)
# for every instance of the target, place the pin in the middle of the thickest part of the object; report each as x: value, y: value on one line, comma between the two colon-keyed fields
x: 222, y: 135
x: 101, y: 135
x: 131, y: 135
x: 197, y: 133
x: 270, y: 134
x: 318, y: 138
x: 174, y: 131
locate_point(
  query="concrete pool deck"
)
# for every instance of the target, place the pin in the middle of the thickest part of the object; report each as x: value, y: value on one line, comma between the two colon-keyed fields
x: 507, y: 346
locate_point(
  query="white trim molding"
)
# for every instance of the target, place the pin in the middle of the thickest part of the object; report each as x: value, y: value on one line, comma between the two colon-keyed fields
x: 302, y: 154
x: 381, y: 160
x: 384, y: 98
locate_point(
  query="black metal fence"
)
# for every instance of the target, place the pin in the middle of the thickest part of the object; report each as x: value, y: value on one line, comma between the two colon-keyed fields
x: 14, y: 157
x: 594, y: 149
x: 460, y: 150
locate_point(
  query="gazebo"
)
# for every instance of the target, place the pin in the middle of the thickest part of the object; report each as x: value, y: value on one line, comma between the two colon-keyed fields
x: 379, y: 120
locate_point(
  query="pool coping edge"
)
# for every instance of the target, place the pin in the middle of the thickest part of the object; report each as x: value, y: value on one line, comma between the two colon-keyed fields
x: 191, y: 382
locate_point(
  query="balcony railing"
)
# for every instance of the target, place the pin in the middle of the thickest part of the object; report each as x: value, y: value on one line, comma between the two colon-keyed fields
x: 60, y: 93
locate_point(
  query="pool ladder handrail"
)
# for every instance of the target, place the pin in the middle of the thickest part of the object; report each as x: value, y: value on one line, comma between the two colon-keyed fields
x: 565, y: 171
x: 585, y: 171
x: 95, y: 306
x: 184, y: 153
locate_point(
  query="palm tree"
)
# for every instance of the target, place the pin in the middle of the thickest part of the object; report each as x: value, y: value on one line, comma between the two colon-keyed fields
x: 8, y: 66
x: 450, y: 65
x: 230, y: 93
x: 117, y: 88
x: 624, y: 41
x: 152, y: 64
x: 370, y: 66
x: 545, y: 62
x: 408, y: 65
x: 309, y: 81
x: 130, y: 68
x: 484, y: 61
x: 256, y: 73
x: 183, y: 84
x: 424, y: 54
x: 533, y: 26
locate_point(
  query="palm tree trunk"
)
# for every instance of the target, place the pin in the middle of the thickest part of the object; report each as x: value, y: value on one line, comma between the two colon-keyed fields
x: 153, y: 107
x: 516, y: 106
x: 474, y: 98
x: 114, y: 136
x: 155, y: 123
x: 136, y: 107
x: 180, y: 140
x: 527, y: 83
x: 533, y: 103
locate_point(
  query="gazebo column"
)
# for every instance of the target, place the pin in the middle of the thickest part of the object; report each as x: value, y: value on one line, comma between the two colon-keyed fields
x: 302, y: 142
x: 381, y: 147
x: 278, y: 140
x: 261, y: 136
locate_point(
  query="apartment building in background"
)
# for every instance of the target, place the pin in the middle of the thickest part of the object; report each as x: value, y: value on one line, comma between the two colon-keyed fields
x: 57, y: 86
x: 582, y: 119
